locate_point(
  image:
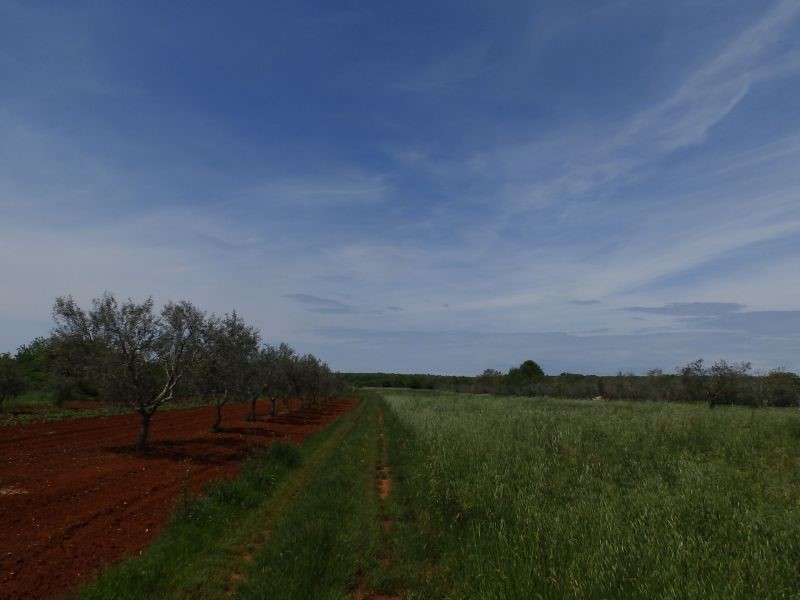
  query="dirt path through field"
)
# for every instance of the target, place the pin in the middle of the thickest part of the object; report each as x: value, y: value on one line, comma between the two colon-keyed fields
x: 74, y: 498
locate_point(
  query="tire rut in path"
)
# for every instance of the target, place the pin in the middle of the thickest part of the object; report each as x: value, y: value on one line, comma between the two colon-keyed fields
x: 384, y: 488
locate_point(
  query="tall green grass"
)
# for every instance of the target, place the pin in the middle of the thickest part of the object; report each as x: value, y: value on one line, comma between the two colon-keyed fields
x: 532, y: 498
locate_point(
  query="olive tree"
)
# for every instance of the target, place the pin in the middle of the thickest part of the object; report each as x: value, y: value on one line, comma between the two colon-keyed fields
x: 231, y: 364
x: 489, y: 379
x: 694, y: 380
x: 332, y: 385
x: 277, y: 370
x: 314, y: 381
x: 260, y: 369
x: 727, y: 383
x: 134, y: 354
x: 308, y: 375
x: 781, y: 388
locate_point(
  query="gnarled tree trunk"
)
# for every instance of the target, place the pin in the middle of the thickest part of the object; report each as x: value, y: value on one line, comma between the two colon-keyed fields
x: 218, y: 419
x: 144, y: 429
x: 252, y: 415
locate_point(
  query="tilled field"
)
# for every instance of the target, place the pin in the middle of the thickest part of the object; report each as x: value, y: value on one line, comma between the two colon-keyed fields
x: 74, y: 497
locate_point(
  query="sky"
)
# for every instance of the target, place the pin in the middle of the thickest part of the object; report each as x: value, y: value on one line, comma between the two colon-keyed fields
x: 428, y: 186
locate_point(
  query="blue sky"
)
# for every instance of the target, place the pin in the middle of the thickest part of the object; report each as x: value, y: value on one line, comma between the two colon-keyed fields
x: 430, y: 187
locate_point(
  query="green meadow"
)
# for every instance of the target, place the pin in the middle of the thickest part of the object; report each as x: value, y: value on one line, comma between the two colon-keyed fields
x: 538, y: 498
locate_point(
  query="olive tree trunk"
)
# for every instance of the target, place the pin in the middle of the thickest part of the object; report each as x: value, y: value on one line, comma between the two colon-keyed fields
x: 218, y: 419
x: 144, y: 429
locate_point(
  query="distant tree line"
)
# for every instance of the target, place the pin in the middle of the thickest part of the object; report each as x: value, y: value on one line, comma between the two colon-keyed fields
x: 715, y: 384
x: 416, y: 381
x: 126, y: 352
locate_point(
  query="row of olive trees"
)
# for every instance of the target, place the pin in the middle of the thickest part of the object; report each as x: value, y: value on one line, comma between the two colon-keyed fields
x: 133, y: 354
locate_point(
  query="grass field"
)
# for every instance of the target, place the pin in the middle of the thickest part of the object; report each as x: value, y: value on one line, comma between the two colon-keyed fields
x: 530, y: 498
x: 497, y: 498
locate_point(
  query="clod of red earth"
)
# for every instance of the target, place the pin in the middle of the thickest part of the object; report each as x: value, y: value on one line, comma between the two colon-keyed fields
x: 384, y: 483
x: 237, y: 576
x: 358, y: 594
x: 82, y: 497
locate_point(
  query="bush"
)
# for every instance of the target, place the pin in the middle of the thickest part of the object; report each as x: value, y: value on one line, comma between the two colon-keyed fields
x: 11, y: 381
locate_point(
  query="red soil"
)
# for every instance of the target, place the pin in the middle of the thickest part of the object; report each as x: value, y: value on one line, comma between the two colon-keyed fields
x: 74, y: 498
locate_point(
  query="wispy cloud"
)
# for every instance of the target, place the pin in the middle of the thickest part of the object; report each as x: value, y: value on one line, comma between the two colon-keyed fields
x: 711, y: 92
x: 322, y: 305
x: 682, y: 118
x: 323, y: 191
x: 689, y: 309
x: 446, y: 73
x: 727, y: 316
x: 772, y: 323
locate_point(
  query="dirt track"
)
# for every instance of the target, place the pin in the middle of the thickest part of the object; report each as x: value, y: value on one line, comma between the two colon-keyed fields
x: 73, y: 497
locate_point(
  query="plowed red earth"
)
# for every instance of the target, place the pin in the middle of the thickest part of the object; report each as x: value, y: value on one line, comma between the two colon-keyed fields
x: 74, y: 497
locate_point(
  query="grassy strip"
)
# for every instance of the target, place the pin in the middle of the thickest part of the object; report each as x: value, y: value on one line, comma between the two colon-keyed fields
x: 29, y: 399
x: 330, y: 537
x: 520, y: 498
x: 195, y: 556
x: 53, y: 414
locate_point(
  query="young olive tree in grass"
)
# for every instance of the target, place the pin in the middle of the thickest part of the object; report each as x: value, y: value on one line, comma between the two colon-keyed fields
x: 134, y: 355
x: 780, y: 388
x: 728, y: 383
x: 489, y: 380
x: 231, y: 365
x: 722, y: 383
x: 694, y: 380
